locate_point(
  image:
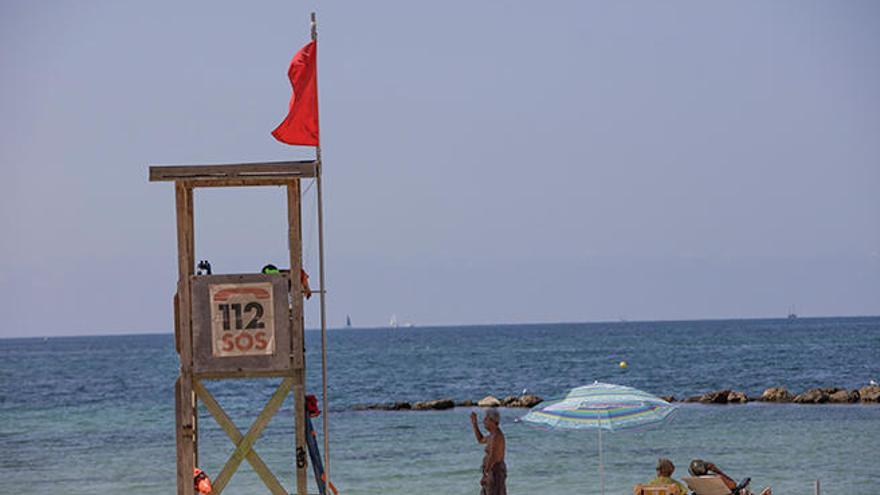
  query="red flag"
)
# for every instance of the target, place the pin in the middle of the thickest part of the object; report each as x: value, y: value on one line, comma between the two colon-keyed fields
x: 301, y: 125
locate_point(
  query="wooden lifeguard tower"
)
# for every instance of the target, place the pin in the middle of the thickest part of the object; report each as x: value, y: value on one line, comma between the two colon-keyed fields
x: 235, y: 326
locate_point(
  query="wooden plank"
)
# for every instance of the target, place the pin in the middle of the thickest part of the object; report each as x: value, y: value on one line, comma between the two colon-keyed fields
x: 299, y: 414
x: 195, y: 422
x: 185, y: 260
x: 247, y: 442
x: 294, y: 248
x: 294, y: 237
x: 182, y: 476
x: 263, y: 170
x: 185, y: 427
x: 229, y: 427
x: 223, y: 375
x: 185, y: 434
x: 176, y: 323
x: 189, y: 266
x: 253, y: 182
x: 187, y: 269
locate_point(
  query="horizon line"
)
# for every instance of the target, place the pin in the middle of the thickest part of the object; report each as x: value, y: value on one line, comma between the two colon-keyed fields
x: 471, y: 325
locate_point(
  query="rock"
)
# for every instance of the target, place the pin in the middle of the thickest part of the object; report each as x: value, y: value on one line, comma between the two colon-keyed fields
x: 737, y: 398
x: 718, y: 397
x: 529, y: 400
x: 383, y: 406
x: 489, y: 401
x: 465, y: 403
x: 668, y: 398
x: 777, y: 394
x: 819, y: 395
x: 521, y: 401
x: 439, y: 404
x: 694, y: 398
x: 510, y: 401
x: 871, y: 393
x: 844, y: 396
x: 812, y: 396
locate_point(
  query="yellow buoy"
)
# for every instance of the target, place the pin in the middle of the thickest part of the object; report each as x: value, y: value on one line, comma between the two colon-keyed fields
x: 623, y: 365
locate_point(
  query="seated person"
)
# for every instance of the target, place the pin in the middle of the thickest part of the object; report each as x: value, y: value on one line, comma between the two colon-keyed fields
x: 665, y: 468
x: 699, y: 467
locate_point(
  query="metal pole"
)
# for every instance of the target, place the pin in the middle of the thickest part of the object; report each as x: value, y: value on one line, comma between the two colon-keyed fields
x: 817, y: 486
x: 324, y: 400
x: 322, y: 295
x: 601, y: 464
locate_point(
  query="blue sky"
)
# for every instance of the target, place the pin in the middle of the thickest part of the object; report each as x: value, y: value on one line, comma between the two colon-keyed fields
x: 485, y: 162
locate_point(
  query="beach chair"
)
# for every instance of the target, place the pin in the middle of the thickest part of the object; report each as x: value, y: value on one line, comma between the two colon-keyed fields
x: 656, y: 490
x: 707, y: 485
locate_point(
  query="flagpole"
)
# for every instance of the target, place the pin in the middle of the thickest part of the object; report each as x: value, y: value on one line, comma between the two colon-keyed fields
x: 323, y: 292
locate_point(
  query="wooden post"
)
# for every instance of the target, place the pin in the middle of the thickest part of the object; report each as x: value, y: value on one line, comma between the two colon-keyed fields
x: 298, y: 336
x: 190, y: 267
x: 185, y: 405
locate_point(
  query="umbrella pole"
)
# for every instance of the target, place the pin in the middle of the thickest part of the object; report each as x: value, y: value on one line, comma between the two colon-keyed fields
x: 601, y: 465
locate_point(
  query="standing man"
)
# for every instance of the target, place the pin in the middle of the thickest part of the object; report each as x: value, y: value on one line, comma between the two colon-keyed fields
x: 494, y: 480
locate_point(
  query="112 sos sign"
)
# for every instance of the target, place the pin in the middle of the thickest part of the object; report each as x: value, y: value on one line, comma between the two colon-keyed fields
x: 242, y: 319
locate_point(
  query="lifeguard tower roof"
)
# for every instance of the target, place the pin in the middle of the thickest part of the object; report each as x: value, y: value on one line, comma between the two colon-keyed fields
x: 235, y: 174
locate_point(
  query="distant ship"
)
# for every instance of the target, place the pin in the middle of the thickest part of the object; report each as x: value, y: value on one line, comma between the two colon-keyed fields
x: 347, y: 321
x: 791, y: 314
x: 395, y: 324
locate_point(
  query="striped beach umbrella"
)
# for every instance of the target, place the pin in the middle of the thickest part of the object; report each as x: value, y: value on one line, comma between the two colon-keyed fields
x: 601, y: 406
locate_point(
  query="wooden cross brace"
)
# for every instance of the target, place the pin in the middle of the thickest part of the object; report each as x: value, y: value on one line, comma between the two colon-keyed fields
x: 244, y: 444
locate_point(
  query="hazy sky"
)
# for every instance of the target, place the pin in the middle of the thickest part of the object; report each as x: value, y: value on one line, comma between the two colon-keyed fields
x: 484, y: 161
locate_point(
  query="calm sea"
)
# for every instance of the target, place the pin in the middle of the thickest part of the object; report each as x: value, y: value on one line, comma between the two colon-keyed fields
x: 95, y: 415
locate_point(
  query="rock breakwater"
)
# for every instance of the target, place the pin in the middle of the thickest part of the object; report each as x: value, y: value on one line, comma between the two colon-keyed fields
x: 441, y: 404
x: 825, y: 395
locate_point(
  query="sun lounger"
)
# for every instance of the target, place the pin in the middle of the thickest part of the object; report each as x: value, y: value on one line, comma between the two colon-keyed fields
x: 656, y: 490
x: 707, y: 485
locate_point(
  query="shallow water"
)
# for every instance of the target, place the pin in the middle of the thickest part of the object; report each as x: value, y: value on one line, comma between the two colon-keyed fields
x: 95, y: 414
